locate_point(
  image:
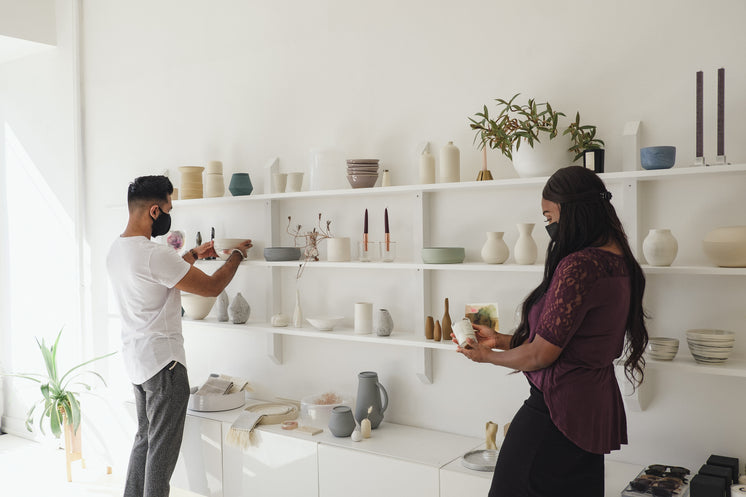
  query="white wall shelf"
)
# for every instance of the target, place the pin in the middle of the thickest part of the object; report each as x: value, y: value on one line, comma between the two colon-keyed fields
x: 629, y: 203
x: 734, y: 366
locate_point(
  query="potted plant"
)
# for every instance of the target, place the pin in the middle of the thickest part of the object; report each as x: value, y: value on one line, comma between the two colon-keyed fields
x: 586, y: 145
x: 60, y: 404
x: 534, y: 124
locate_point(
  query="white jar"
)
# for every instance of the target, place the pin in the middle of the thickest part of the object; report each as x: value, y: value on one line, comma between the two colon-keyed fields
x: 338, y: 249
x: 525, y: 250
x: 214, y: 185
x: 450, y: 164
x: 427, y: 168
x: 495, y: 250
x: 660, y: 247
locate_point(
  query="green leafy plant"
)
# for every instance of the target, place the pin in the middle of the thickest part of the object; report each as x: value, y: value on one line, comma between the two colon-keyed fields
x: 583, y: 137
x: 516, y: 124
x: 59, y: 399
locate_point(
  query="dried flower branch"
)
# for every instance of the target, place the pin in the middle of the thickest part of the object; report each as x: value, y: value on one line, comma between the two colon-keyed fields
x: 308, y: 240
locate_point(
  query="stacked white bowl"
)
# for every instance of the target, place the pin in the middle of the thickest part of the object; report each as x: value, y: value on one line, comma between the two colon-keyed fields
x: 710, y: 346
x: 663, y: 348
x: 191, y: 182
x: 214, y: 182
x: 362, y: 173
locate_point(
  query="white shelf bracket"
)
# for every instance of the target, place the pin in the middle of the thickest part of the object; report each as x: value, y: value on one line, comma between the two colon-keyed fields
x: 425, y: 365
x: 274, y: 347
x: 635, y: 399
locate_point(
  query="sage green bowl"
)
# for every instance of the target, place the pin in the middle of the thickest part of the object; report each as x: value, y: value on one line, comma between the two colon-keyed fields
x: 443, y: 255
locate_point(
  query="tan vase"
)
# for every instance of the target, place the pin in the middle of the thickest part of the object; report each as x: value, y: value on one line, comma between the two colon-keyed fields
x: 429, y: 327
x: 446, y: 328
x: 436, y: 331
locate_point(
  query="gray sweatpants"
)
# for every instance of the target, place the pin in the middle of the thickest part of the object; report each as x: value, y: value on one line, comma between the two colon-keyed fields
x: 161, y: 410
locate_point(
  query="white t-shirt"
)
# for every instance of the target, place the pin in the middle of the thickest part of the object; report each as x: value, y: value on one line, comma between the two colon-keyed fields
x: 143, y: 274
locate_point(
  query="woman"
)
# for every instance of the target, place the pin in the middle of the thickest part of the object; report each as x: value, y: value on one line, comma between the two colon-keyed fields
x: 573, y: 326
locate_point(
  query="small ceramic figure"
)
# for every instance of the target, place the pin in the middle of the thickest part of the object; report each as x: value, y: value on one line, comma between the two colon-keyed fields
x: 223, y: 302
x: 240, y: 309
x: 280, y: 320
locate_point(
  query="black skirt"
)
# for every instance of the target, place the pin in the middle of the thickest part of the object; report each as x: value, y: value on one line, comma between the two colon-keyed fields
x: 537, y: 460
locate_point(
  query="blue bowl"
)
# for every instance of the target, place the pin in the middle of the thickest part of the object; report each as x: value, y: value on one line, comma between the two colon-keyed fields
x: 657, y: 157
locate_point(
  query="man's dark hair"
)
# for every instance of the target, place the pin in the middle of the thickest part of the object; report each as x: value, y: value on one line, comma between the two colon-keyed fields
x: 148, y: 189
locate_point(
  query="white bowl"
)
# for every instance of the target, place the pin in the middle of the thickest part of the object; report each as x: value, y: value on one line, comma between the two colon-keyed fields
x: 662, y: 348
x: 710, y: 346
x: 726, y: 246
x: 315, y: 414
x: 196, y: 306
x: 324, y: 323
x: 224, y: 246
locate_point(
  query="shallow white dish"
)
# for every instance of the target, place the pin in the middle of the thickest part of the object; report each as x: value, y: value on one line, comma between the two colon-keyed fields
x: 324, y: 323
x: 314, y: 414
x: 224, y: 246
x: 214, y: 402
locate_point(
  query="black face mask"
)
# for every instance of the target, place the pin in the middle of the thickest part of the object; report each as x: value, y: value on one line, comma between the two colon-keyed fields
x: 161, y: 224
x: 553, y: 230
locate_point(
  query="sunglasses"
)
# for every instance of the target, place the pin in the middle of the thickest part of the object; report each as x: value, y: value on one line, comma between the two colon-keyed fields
x: 660, y: 481
x: 661, y: 470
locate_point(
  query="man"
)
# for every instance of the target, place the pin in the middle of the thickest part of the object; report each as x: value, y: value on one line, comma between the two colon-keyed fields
x: 147, y: 278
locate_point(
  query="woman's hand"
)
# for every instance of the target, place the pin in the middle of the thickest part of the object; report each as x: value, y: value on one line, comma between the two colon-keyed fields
x: 476, y: 351
x: 485, y: 336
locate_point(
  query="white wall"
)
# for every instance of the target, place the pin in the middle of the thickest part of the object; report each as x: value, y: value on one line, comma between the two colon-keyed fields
x: 32, y: 20
x: 180, y: 83
x: 37, y: 135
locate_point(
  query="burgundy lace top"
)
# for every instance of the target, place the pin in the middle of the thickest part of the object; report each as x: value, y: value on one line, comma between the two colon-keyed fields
x: 585, y: 312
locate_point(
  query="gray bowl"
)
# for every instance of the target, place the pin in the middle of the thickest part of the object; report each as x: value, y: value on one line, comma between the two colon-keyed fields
x: 443, y: 255
x: 662, y: 157
x: 274, y: 254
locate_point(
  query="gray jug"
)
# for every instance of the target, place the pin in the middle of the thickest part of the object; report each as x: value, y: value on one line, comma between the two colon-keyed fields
x: 369, y: 393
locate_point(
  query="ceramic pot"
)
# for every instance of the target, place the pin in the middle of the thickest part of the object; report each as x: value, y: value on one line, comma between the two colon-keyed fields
x: 386, y: 178
x: 369, y: 393
x: 726, y: 246
x: 240, y: 184
x: 429, y: 327
x: 384, y: 323
x: 341, y: 421
x: 594, y: 160
x: 427, y: 168
x: 338, y: 249
x: 450, y: 164
x: 544, y: 158
x: 660, y: 247
x: 495, y: 250
x: 363, y: 317
x: 240, y: 309
x: 525, y: 250
x: 294, y: 182
x: 214, y: 185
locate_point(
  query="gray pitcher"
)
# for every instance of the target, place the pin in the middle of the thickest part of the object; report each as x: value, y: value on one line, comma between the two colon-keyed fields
x: 369, y: 393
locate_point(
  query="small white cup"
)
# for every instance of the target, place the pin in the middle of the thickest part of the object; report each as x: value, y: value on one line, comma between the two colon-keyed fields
x: 363, y: 317
x: 338, y: 249
x: 294, y: 183
x: 463, y: 330
x: 278, y: 182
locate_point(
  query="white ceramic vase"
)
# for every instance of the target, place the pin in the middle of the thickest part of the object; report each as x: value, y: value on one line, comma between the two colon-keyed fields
x: 660, y: 247
x: 427, y: 168
x: 525, y: 250
x: 450, y: 164
x: 338, y: 249
x: 495, y: 250
x: 297, y: 313
x: 384, y: 323
x: 544, y: 158
x: 214, y: 185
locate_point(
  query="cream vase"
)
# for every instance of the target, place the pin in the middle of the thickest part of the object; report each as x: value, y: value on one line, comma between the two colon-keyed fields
x: 495, y: 250
x: 525, y: 250
x: 660, y: 247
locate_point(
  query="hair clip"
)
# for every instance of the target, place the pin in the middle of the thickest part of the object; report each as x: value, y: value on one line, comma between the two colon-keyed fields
x: 605, y: 195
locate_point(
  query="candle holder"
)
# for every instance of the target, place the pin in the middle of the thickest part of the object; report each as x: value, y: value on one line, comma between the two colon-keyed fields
x: 368, y: 254
x: 388, y: 251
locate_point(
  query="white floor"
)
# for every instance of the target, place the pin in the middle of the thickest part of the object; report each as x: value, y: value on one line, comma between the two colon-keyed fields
x: 31, y: 469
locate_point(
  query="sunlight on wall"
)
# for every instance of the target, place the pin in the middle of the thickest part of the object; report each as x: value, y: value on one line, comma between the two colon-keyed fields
x: 41, y: 253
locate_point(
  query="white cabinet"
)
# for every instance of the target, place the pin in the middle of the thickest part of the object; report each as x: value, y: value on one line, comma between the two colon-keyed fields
x: 275, y: 465
x: 344, y: 472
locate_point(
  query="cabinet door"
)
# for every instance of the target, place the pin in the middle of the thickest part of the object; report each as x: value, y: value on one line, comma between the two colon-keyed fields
x: 344, y: 472
x: 275, y: 465
x: 456, y: 484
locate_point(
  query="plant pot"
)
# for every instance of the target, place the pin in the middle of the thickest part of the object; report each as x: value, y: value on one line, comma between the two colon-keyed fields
x: 544, y: 158
x: 594, y: 159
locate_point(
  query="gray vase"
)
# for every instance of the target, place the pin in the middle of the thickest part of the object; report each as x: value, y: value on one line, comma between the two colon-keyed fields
x: 223, y: 303
x: 341, y: 421
x: 369, y: 393
x: 384, y: 323
x: 240, y: 309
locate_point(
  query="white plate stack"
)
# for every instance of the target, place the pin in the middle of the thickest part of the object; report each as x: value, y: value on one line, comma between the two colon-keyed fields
x: 214, y: 181
x: 710, y: 346
x: 191, y: 182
